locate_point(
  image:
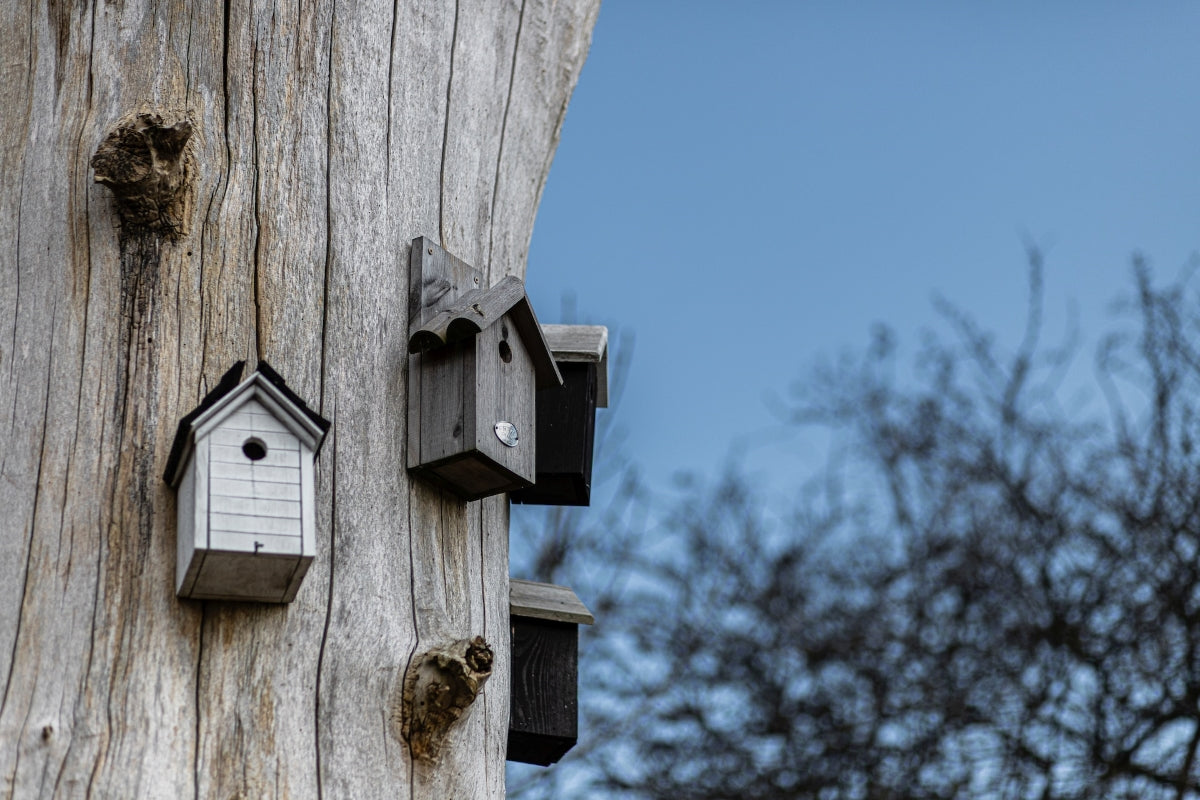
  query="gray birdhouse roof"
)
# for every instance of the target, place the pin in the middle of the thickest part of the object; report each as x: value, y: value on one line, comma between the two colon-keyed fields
x: 480, y: 308
x: 546, y: 601
x: 582, y: 343
x: 268, y: 387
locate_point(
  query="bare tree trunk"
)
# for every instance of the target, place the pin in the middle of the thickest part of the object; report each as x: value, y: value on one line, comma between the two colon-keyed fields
x: 326, y: 136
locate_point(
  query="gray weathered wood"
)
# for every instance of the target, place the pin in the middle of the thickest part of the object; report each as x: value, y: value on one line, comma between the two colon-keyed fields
x: 547, y: 601
x: 477, y: 355
x: 326, y: 136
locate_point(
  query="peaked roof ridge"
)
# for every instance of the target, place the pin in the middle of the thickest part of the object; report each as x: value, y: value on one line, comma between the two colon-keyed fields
x: 276, y: 380
x: 227, y: 387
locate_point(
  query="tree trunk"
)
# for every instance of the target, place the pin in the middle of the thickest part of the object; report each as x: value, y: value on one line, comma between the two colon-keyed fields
x: 323, y: 141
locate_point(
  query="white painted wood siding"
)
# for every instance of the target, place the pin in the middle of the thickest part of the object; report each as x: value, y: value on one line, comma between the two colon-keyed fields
x: 255, y: 506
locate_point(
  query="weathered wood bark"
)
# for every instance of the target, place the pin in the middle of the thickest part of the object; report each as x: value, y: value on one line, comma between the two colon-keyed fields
x: 324, y: 138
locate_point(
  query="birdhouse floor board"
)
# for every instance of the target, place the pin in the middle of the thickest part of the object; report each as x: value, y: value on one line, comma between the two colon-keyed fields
x: 244, y: 543
x: 472, y: 476
x: 538, y: 749
x: 556, y: 490
x: 233, y: 576
x: 228, y: 487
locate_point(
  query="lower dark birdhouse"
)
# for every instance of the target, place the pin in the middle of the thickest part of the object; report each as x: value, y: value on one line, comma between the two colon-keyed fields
x: 242, y: 465
x: 566, y: 416
x: 477, y: 358
x: 544, y: 713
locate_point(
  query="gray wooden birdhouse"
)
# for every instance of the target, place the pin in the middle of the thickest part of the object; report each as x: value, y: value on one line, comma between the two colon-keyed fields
x: 566, y: 416
x: 242, y: 465
x: 477, y: 358
x: 543, y: 722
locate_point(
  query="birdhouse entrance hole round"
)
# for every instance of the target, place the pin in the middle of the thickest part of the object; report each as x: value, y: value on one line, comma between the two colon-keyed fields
x: 254, y: 449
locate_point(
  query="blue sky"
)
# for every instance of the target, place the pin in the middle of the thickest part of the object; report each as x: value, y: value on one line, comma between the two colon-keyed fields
x: 747, y: 187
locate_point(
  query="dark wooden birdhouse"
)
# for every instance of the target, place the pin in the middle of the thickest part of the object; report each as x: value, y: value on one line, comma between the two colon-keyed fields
x: 478, y: 357
x: 242, y: 465
x: 544, y: 712
x: 566, y: 416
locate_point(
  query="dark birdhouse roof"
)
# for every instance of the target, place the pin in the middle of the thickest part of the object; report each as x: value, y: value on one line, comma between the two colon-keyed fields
x: 227, y: 389
x: 481, y: 308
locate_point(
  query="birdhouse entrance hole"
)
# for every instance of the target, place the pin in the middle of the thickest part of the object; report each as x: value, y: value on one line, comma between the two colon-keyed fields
x: 255, y: 449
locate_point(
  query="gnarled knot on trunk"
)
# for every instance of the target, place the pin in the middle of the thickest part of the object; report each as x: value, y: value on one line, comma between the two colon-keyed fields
x: 145, y: 163
x: 439, y: 686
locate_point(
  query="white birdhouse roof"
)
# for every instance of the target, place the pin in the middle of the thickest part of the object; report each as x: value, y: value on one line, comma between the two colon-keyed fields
x: 264, y: 385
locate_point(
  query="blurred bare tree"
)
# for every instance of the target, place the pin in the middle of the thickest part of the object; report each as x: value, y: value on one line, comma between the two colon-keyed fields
x: 994, y: 595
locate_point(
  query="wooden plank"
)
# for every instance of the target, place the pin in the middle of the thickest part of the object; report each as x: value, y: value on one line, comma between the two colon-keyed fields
x: 438, y: 280
x: 587, y: 343
x: 504, y: 392
x: 445, y: 425
x: 467, y: 315
x: 566, y: 420
x: 254, y: 506
x: 253, y: 416
x: 547, y: 601
x: 235, y: 438
x: 231, y: 487
x: 582, y: 343
x: 189, y: 527
x: 251, y: 472
x: 543, y: 724
x: 240, y: 523
x: 253, y: 544
x: 227, y: 454
x: 237, y: 576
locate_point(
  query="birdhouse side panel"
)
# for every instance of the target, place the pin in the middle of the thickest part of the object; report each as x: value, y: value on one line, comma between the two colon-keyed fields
x: 544, y: 709
x: 567, y: 420
x: 190, y: 535
x: 442, y: 423
x: 505, y: 387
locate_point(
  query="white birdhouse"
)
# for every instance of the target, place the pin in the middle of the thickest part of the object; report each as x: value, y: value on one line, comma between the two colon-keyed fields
x: 242, y: 464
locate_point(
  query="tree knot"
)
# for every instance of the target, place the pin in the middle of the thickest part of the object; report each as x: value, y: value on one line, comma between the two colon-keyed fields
x: 145, y: 164
x: 439, y: 686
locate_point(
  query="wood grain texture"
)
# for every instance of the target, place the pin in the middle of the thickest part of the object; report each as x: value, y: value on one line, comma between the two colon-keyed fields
x: 326, y: 136
x: 547, y: 601
x: 582, y: 343
x: 544, y: 717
